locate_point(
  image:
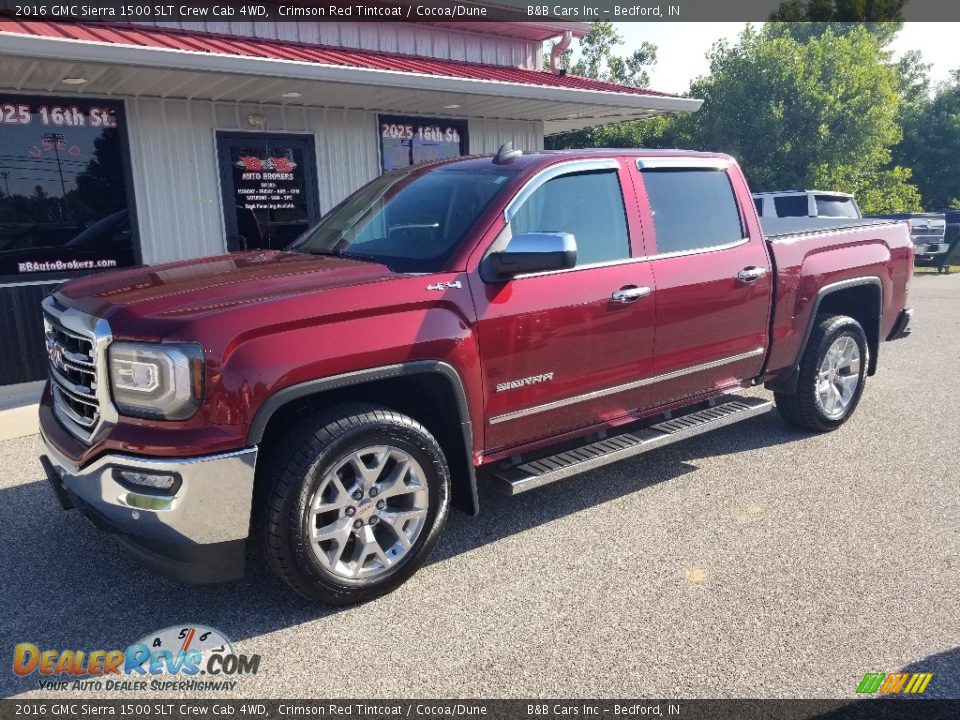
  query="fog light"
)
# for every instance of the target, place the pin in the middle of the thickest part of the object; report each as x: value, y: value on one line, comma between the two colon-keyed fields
x: 163, y: 483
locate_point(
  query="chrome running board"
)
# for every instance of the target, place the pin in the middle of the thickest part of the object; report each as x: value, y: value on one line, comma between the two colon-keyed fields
x: 535, y: 473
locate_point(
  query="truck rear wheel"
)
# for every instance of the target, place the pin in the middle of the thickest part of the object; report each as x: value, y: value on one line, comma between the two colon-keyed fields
x: 353, y: 503
x: 833, y: 372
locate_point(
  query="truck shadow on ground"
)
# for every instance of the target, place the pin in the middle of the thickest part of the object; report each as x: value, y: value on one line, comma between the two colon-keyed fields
x: 944, y: 685
x: 68, y: 586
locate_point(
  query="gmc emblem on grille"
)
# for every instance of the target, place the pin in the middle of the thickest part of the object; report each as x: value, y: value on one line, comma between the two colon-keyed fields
x: 55, y: 353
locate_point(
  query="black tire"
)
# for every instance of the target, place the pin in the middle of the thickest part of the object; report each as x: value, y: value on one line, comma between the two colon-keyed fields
x: 292, y: 474
x: 802, y: 408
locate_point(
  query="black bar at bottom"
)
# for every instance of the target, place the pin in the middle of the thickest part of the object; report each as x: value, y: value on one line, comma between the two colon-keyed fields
x: 880, y: 708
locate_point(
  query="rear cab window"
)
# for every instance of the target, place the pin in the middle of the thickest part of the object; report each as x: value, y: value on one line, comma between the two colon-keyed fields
x: 836, y: 206
x: 694, y: 209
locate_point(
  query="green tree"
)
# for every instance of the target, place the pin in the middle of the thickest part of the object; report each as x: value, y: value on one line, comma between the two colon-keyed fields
x: 805, y: 19
x: 931, y: 145
x: 599, y: 58
x: 822, y: 112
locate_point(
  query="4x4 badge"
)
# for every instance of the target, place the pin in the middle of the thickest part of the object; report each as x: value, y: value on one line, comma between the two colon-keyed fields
x: 445, y: 285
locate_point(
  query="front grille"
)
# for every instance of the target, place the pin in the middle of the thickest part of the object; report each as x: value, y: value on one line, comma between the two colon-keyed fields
x: 73, y: 378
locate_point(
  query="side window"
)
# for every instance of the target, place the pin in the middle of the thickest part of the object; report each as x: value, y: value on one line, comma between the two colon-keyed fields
x: 587, y: 205
x: 693, y: 209
x: 792, y: 205
x: 758, y: 203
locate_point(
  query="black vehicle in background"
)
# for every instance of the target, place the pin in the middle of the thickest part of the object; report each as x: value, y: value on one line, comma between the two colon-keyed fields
x: 952, y: 238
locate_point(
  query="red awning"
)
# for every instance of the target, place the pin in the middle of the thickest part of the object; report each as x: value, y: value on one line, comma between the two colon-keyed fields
x: 228, y: 45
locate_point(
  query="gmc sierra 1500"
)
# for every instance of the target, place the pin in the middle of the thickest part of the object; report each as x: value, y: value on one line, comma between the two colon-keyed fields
x: 513, y: 320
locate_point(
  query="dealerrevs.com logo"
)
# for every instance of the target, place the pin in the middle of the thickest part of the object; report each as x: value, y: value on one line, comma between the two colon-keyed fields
x: 178, y: 658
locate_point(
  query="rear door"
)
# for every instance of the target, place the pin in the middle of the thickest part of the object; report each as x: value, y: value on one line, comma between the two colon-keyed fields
x: 712, y: 274
x: 557, y: 348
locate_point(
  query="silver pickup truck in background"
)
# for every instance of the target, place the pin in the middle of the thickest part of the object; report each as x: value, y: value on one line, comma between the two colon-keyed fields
x: 928, y: 232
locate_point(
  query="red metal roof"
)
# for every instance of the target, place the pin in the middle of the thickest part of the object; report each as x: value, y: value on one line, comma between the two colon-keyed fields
x: 152, y: 37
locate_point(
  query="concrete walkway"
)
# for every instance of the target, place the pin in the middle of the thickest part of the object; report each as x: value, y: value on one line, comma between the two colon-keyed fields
x: 18, y: 410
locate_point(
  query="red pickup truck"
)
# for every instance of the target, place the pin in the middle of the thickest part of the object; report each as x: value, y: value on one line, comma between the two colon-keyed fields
x: 512, y: 320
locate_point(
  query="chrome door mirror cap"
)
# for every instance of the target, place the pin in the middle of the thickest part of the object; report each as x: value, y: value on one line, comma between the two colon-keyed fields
x: 532, y: 252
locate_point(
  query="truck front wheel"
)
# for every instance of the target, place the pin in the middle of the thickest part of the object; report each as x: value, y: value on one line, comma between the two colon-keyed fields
x: 833, y: 372
x: 353, y: 502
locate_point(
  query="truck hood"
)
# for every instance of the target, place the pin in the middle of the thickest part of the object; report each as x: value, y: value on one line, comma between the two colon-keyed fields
x: 179, y: 291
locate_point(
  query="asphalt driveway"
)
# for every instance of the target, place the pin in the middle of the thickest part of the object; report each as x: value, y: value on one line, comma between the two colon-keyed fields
x: 754, y: 562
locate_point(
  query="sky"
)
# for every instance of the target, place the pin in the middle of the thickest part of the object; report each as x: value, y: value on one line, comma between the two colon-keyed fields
x: 682, y: 47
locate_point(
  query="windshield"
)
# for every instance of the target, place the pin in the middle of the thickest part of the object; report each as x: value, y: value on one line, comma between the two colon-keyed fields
x: 409, y: 221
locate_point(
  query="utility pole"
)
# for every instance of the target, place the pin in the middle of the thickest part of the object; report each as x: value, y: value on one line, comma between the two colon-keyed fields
x: 55, y: 139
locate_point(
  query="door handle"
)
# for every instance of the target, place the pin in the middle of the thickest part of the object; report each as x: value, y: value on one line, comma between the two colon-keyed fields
x: 629, y: 294
x: 751, y: 273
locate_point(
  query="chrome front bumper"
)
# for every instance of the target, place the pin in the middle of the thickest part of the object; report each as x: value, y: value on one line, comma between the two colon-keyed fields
x: 195, y: 535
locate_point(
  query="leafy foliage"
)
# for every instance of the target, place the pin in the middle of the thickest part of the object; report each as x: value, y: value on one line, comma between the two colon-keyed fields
x: 822, y: 111
x: 805, y: 19
x: 599, y: 59
x: 931, y: 145
x: 794, y: 112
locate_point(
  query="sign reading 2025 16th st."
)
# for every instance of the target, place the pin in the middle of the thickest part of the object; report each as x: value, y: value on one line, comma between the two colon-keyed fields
x: 173, y: 659
x: 57, y: 115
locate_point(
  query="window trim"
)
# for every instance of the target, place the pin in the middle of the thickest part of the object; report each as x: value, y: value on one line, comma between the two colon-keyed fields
x: 682, y: 162
x: 707, y: 164
x: 568, y: 167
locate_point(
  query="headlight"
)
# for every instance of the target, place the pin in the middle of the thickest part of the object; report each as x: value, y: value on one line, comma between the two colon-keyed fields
x: 150, y: 380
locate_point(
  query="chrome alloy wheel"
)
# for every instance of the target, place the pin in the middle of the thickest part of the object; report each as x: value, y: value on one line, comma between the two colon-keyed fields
x: 367, y: 512
x: 838, y: 377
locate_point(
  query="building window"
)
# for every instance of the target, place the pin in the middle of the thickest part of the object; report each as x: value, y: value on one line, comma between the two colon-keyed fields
x: 406, y: 141
x: 63, y: 187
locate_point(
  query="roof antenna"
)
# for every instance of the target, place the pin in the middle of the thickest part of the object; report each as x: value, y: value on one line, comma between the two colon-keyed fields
x: 506, y: 154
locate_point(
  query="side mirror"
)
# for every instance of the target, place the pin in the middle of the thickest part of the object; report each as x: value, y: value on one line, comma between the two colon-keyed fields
x: 531, y: 253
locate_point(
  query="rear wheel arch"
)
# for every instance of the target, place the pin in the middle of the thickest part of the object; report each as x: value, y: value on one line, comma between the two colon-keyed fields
x: 429, y: 391
x: 860, y: 298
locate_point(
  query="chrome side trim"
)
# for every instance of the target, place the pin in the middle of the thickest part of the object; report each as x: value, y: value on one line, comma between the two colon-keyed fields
x: 556, y: 404
x: 791, y: 237
x: 587, y: 266
x: 700, y: 251
x: 634, y: 260
x: 551, y: 172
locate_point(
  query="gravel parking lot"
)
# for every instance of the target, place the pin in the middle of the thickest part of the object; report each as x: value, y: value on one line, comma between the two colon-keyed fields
x: 753, y: 562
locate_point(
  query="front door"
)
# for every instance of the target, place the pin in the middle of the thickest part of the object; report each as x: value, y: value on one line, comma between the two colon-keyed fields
x: 557, y: 347
x: 269, y: 188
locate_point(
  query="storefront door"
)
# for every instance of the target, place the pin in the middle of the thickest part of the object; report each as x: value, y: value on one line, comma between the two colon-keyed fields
x: 269, y: 188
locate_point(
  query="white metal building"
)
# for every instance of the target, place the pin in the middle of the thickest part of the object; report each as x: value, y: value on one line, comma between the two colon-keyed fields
x: 125, y: 144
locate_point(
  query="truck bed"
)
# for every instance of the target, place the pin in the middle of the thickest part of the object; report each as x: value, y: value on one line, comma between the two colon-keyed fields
x: 778, y: 228
x: 809, y: 253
